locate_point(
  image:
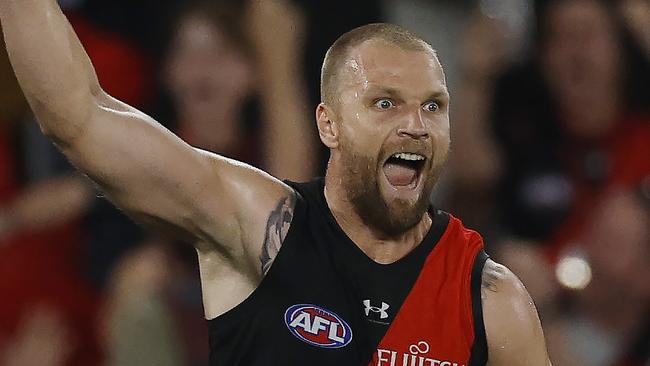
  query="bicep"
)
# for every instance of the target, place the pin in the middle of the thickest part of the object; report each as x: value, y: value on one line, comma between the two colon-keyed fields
x: 159, y: 179
x: 137, y: 163
x: 513, y: 330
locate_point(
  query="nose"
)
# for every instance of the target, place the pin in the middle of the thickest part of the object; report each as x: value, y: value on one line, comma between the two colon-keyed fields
x: 414, y: 126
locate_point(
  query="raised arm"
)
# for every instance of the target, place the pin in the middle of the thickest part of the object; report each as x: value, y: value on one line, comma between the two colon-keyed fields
x: 141, y: 166
x: 513, y: 330
x: 277, y: 29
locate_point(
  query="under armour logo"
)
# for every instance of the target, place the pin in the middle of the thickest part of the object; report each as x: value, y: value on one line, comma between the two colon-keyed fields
x: 382, y: 311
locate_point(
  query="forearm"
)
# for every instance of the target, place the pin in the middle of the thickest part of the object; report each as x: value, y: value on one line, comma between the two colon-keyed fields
x: 477, y: 163
x: 51, y: 66
x: 289, y: 141
x: 48, y: 203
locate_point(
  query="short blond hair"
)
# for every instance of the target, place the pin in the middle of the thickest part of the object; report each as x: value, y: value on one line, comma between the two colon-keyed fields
x: 337, y: 54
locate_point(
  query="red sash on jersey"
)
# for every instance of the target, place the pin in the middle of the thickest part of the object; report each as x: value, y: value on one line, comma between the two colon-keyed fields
x: 434, y: 326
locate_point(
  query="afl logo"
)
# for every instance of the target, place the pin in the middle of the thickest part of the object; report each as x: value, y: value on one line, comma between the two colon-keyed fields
x: 317, y: 326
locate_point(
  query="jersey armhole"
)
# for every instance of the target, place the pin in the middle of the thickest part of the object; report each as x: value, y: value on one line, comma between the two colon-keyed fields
x: 252, y: 302
x: 479, y: 355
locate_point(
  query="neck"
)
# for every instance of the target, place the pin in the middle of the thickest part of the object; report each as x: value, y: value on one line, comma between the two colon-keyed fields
x: 375, y: 244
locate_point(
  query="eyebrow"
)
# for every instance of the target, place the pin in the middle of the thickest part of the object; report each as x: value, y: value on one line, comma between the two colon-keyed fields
x: 392, y: 92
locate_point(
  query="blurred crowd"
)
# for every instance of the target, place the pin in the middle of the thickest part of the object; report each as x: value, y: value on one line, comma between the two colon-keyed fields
x: 550, y: 162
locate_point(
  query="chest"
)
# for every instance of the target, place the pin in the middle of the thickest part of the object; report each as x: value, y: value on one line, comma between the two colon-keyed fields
x: 414, y: 312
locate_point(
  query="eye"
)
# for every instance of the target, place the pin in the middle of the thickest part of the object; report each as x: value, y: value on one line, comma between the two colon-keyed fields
x: 384, y: 104
x: 431, y: 107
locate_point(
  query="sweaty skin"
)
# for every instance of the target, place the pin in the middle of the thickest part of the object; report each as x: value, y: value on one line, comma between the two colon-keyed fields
x: 205, y: 198
x: 396, y: 101
x: 362, y: 134
x: 412, y: 80
x: 513, y: 330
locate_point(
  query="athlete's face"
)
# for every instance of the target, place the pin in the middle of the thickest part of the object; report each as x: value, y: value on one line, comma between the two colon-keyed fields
x: 393, y: 132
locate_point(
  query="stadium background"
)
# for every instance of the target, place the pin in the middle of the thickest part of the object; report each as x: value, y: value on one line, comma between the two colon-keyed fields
x: 551, y: 163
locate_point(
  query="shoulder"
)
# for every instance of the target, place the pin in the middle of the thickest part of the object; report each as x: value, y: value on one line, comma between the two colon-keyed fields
x: 513, y: 330
x: 498, y: 279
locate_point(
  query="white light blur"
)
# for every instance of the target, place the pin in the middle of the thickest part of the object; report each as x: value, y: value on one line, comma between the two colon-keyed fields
x: 515, y: 13
x: 573, y: 272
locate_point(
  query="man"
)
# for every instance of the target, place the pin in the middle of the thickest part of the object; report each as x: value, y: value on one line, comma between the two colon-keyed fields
x: 356, y: 269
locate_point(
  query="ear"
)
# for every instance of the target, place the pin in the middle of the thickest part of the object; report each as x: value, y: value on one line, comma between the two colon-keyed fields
x: 327, y: 128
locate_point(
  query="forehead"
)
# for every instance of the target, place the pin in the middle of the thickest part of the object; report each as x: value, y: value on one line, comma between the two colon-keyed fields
x: 378, y: 63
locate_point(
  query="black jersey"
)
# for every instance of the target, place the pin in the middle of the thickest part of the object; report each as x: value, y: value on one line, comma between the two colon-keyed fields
x: 323, y: 301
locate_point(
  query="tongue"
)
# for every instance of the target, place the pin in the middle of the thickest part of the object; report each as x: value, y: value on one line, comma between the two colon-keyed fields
x: 399, y: 175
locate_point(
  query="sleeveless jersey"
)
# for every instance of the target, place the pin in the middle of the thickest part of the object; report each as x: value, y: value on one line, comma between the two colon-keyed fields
x: 324, y: 302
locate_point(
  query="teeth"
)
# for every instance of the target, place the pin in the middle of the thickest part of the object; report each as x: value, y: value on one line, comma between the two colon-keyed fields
x: 408, y: 156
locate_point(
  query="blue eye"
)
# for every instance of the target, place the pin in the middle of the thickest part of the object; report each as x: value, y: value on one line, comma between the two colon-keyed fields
x: 384, y: 104
x: 431, y: 107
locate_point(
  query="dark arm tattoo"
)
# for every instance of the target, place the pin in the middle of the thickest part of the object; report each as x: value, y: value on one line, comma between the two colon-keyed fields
x: 493, y: 273
x: 277, y: 227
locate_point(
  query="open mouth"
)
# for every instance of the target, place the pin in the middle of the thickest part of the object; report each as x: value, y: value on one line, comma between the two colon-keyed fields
x: 403, y: 170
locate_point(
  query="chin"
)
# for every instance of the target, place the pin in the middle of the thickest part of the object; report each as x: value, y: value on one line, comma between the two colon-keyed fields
x: 400, y: 208
x: 403, y: 217
x: 387, y: 208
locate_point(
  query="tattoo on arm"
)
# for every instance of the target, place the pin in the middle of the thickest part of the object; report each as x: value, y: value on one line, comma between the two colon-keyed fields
x: 277, y: 227
x: 492, y: 274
